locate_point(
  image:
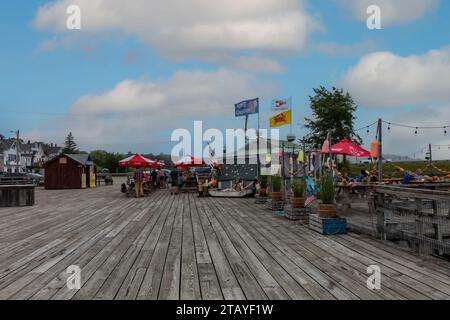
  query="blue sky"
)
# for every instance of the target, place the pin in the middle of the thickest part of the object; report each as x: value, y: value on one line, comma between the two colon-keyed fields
x: 132, y: 78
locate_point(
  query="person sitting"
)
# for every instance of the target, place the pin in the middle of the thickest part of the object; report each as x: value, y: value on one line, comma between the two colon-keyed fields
x: 373, y: 178
x: 408, y: 177
x: 362, y: 175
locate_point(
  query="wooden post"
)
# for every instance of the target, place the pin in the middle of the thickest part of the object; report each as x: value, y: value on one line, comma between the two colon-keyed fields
x: 419, y: 224
x: 379, y: 206
x: 304, y: 158
x: 17, y: 152
x: 380, y: 150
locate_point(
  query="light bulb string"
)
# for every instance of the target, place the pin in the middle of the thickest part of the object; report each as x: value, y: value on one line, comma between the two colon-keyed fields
x: 391, y: 124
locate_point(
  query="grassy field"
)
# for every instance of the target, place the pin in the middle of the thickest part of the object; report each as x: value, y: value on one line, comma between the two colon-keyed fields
x: 389, y: 168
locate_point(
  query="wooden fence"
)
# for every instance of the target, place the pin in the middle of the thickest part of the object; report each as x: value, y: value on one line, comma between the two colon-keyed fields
x: 416, y: 214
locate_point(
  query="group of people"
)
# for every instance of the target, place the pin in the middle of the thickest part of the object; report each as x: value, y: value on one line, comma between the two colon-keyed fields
x: 157, y: 178
x: 364, y: 176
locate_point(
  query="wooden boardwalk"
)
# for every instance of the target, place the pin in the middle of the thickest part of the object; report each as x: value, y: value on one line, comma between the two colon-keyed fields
x: 183, y: 247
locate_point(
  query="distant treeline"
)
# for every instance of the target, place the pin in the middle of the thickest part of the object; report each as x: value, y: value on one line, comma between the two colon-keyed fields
x: 109, y: 160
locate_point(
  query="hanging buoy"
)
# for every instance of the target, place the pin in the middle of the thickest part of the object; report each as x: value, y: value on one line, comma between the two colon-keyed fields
x: 374, y: 146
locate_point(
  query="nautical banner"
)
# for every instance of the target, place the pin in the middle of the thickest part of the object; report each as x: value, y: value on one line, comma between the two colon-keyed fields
x: 247, y: 107
x: 281, y: 119
x: 282, y: 105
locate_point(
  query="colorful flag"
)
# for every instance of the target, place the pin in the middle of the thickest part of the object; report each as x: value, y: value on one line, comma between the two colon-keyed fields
x: 301, y: 157
x: 282, y: 105
x: 281, y: 119
x: 247, y: 107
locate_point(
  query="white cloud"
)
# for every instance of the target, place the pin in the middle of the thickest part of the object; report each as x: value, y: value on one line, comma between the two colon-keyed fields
x: 383, y: 79
x: 195, y: 28
x: 137, y: 110
x: 392, y: 11
x: 257, y: 65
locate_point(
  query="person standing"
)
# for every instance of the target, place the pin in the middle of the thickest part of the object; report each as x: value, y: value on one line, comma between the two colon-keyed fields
x: 180, y: 182
x: 154, y: 176
x: 138, y: 181
x: 174, y: 181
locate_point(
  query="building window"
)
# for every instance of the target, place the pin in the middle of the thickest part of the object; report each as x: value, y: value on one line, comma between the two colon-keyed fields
x: 11, y: 157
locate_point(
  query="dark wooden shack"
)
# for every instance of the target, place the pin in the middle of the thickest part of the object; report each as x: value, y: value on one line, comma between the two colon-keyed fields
x: 70, y: 171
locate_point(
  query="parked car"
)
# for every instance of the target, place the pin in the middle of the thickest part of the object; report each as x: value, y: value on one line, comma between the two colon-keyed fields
x: 368, y: 161
x: 36, y: 179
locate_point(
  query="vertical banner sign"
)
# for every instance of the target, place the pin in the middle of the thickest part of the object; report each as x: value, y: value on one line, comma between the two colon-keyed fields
x: 282, y: 105
x: 247, y: 107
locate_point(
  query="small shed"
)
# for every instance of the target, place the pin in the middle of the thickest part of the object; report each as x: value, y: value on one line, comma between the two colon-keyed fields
x: 70, y: 171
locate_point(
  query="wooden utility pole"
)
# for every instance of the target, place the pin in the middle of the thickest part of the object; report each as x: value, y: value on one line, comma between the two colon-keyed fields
x: 430, y: 152
x: 17, y: 152
x: 330, y: 149
x: 380, y: 150
x: 304, y: 159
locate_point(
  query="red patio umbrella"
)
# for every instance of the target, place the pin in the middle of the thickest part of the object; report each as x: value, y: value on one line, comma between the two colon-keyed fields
x: 137, y: 161
x: 188, y: 162
x: 159, y: 164
x: 347, y: 148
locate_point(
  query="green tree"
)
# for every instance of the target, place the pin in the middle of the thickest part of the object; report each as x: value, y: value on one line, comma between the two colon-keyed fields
x: 70, y: 145
x: 332, y: 110
x: 104, y: 159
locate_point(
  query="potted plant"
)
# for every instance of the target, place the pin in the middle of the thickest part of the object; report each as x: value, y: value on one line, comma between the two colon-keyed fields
x: 298, y: 200
x: 276, y: 194
x: 327, y: 207
x: 263, y: 182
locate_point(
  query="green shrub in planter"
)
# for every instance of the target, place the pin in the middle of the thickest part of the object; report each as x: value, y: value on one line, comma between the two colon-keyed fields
x: 276, y: 184
x: 298, y: 188
x: 264, y: 181
x: 327, y: 187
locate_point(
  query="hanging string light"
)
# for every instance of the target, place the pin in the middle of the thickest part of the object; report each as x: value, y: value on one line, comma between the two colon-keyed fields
x: 416, y: 128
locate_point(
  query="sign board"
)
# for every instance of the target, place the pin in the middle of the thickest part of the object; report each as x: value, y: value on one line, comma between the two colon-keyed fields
x: 247, y: 107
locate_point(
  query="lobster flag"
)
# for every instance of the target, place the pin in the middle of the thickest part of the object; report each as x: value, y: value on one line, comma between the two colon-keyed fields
x: 281, y: 119
x: 282, y: 105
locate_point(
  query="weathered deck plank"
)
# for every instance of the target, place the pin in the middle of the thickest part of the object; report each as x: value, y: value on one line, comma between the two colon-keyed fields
x: 184, y: 247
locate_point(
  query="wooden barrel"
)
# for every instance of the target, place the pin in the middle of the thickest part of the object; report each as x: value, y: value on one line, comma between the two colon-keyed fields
x: 327, y: 210
x: 16, y: 195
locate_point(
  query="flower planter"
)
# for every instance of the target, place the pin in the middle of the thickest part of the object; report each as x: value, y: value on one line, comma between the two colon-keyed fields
x: 276, y: 196
x: 263, y: 192
x: 298, y: 202
x: 327, y: 210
